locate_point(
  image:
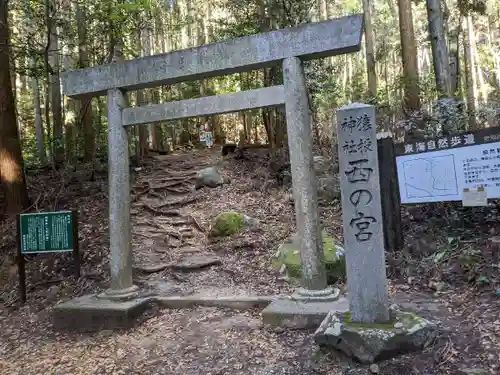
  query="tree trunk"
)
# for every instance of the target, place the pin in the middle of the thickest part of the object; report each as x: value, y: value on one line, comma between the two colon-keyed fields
x: 483, y: 88
x: 409, y: 55
x: 267, y: 115
x: 370, y: 50
x: 322, y: 10
x: 85, y: 118
x: 70, y: 113
x: 201, y: 39
x: 35, y: 88
x: 470, y: 78
x: 495, y: 53
x: 146, y: 35
x: 11, y: 160
x: 323, y: 15
x: 55, y: 86
x: 99, y: 125
x: 455, y: 65
x: 142, y: 98
x: 439, y: 48
x: 160, y: 46
x: 349, y: 77
x: 40, y: 135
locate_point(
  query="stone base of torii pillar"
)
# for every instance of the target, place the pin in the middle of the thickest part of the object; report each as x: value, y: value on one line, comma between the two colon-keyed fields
x: 304, y: 311
x: 310, y: 304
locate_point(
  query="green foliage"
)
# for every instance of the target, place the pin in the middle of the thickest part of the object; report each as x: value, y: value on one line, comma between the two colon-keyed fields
x: 332, y: 82
x: 472, y: 6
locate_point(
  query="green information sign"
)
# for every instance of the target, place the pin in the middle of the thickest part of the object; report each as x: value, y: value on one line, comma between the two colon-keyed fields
x: 46, y: 232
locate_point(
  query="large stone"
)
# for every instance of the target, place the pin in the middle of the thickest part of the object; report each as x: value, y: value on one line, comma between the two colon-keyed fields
x: 368, y: 343
x: 90, y: 313
x: 288, y: 258
x: 209, y: 177
x: 362, y: 213
x: 229, y: 223
x: 299, y: 313
x: 328, y: 181
x: 328, y: 188
x: 196, y: 262
x: 322, y: 165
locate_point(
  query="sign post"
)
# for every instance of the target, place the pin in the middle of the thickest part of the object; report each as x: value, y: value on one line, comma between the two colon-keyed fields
x: 46, y: 232
x: 362, y: 214
x: 462, y: 167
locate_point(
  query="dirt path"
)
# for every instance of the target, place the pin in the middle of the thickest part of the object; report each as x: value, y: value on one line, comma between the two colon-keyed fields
x: 206, y: 341
x: 218, y: 341
x: 200, y: 341
x: 171, y: 219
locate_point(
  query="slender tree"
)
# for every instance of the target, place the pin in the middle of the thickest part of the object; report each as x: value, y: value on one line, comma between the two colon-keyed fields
x: 439, y: 48
x: 84, y: 106
x: 54, y: 88
x: 409, y: 55
x: 370, y: 49
x: 11, y: 161
x: 470, y: 69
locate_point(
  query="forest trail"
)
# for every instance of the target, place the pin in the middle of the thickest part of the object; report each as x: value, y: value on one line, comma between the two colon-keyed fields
x: 171, y: 220
x: 170, y: 224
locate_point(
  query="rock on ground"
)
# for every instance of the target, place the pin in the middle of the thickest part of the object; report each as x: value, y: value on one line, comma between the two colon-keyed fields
x: 368, y: 343
x: 209, y: 177
x: 328, y: 181
x: 196, y: 262
x: 229, y: 223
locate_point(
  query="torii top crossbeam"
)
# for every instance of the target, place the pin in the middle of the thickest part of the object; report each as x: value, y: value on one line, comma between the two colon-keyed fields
x: 307, y: 41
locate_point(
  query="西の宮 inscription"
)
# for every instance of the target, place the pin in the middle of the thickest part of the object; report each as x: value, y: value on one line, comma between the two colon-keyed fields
x: 362, y: 214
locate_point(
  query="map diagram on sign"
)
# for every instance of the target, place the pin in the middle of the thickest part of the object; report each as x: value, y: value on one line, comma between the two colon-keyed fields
x: 430, y: 176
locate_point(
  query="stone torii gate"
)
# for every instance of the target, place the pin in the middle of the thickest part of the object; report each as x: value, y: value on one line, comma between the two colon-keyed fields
x: 288, y: 47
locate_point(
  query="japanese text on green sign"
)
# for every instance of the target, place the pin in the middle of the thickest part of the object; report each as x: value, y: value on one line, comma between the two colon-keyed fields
x: 46, y: 232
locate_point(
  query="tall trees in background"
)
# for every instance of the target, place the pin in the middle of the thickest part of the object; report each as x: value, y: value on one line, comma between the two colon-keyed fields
x: 370, y: 49
x: 54, y: 86
x: 84, y: 107
x: 409, y: 55
x: 440, y: 56
x: 401, y: 69
x: 470, y: 69
x: 11, y: 161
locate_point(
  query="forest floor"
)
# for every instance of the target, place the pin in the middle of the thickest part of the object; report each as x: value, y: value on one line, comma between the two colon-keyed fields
x: 449, y: 272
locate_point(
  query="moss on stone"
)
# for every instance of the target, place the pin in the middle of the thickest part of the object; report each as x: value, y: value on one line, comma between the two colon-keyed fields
x: 408, y: 319
x: 384, y: 326
x: 289, y: 256
x: 226, y: 224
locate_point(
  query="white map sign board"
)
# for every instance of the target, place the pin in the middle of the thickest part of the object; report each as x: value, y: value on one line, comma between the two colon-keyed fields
x: 434, y: 171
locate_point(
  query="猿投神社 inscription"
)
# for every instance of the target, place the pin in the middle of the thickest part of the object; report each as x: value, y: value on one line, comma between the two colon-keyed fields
x: 357, y: 171
x: 362, y: 214
x: 441, y: 169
